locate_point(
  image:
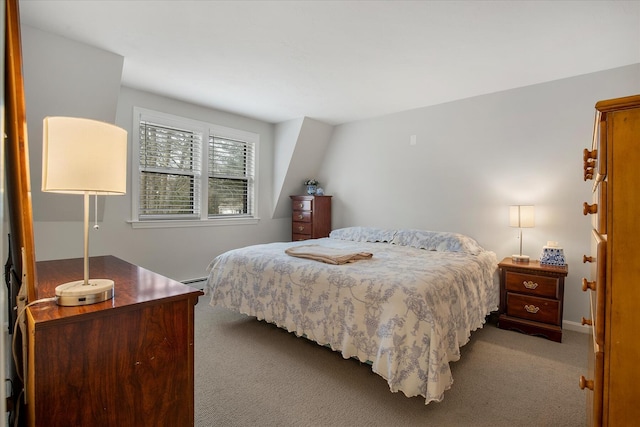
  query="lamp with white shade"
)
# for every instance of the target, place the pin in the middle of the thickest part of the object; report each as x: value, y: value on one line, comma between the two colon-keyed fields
x: 83, y: 156
x: 521, y: 216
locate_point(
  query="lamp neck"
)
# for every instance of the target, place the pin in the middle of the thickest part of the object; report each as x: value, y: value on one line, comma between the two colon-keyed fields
x: 86, y: 238
x: 520, y: 237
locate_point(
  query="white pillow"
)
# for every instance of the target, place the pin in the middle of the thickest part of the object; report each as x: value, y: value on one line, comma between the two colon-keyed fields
x: 363, y: 234
x: 437, y: 241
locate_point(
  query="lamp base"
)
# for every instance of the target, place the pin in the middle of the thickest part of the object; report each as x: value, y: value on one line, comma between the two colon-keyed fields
x: 77, y: 293
x: 520, y: 258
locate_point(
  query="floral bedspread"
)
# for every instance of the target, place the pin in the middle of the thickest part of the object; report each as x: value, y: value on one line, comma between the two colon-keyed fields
x: 406, y: 311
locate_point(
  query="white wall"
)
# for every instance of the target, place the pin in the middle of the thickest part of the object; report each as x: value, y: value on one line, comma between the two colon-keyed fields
x: 300, y: 147
x: 64, y: 78
x: 472, y: 159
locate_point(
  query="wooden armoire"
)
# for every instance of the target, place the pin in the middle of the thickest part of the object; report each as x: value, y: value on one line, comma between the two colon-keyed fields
x: 612, y: 382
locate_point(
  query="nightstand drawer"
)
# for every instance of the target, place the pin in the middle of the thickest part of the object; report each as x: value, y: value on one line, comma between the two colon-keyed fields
x: 533, y: 308
x: 301, y: 228
x: 301, y: 205
x: 532, y: 284
x: 301, y: 216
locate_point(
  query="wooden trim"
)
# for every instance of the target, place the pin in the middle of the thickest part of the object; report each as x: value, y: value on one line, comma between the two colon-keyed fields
x: 17, y: 156
x: 618, y: 103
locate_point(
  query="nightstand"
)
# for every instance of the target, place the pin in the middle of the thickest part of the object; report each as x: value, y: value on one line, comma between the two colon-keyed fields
x: 531, y: 298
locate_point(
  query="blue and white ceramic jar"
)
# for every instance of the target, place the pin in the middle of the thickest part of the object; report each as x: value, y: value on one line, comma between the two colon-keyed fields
x: 552, y: 254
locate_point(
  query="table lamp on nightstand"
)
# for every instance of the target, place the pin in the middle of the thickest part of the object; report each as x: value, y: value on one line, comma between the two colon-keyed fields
x: 82, y: 156
x: 521, y: 216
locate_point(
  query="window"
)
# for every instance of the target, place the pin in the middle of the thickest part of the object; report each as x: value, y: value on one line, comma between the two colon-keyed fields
x: 231, y: 167
x: 169, y: 171
x: 171, y: 183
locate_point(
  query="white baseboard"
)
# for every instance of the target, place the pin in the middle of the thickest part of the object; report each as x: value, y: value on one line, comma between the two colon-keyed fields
x: 575, y: 326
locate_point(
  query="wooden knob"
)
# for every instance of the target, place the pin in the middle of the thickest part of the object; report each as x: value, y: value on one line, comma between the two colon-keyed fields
x: 586, y: 259
x: 585, y: 383
x: 586, y: 321
x: 588, y: 285
x: 586, y: 154
x: 589, y: 209
x: 588, y: 174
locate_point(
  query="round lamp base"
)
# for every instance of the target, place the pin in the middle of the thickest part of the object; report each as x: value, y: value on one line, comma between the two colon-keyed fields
x: 520, y: 258
x: 78, y: 293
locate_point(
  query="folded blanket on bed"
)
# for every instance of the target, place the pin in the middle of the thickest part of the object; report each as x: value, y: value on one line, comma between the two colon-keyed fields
x: 326, y: 254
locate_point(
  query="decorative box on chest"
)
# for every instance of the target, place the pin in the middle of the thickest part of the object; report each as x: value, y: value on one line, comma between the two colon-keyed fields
x: 552, y: 254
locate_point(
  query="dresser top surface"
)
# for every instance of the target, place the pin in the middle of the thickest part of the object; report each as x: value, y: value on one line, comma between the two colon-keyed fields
x: 309, y: 197
x: 133, y: 285
x: 510, y: 264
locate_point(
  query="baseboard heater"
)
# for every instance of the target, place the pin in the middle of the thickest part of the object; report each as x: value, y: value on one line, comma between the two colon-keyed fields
x: 192, y: 281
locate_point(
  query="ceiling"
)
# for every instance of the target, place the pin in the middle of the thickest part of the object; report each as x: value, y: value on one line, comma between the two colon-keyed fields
x: 341, y: 61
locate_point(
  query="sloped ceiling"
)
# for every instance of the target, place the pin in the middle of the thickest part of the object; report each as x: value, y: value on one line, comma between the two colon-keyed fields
x: 341, y: 61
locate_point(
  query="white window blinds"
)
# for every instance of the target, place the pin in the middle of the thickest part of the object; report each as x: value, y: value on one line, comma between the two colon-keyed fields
x: 231, y: 176
x: 170, y: 165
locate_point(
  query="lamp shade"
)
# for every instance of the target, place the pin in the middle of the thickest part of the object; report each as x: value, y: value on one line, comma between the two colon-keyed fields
x: 82, y: 155
x: 521, y: 216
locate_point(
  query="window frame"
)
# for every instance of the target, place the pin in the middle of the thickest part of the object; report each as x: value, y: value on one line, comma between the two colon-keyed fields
x: 206, y: 130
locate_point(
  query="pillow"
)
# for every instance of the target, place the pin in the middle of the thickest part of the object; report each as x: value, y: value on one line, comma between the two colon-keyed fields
x: 363, y: 234
x: 437, y: 241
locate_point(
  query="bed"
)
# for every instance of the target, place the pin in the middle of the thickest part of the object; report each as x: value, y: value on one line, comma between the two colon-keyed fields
x: 406, y: 309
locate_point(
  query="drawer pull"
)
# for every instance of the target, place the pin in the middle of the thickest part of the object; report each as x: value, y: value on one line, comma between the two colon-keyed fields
x: 586, y: 259
x: 302, y: 206
x: 531, y: 308
x: 301, y: 228
x: 585, y: 383
x: 530, y: 284
x: 588, y: 285
x: 589, y: 158
x: 300, y: 216
x: 587, y: 321
x: 589, y: 209
x: 586, y: 154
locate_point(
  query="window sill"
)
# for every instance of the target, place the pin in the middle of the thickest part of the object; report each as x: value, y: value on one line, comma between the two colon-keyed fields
x: 194, y: 223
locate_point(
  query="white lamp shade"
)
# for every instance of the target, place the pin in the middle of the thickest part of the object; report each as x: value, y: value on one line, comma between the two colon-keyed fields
x: 521, y: 216
x: 80, y: 155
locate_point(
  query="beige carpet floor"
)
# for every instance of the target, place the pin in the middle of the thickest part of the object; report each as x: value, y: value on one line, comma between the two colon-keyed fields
x: 250, y: 373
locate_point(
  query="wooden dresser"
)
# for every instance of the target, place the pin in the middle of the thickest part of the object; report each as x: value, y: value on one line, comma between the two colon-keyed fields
x: 311, y: 217
x: 123, y: 362
x: 531, y: 298
x: 612, y: 382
